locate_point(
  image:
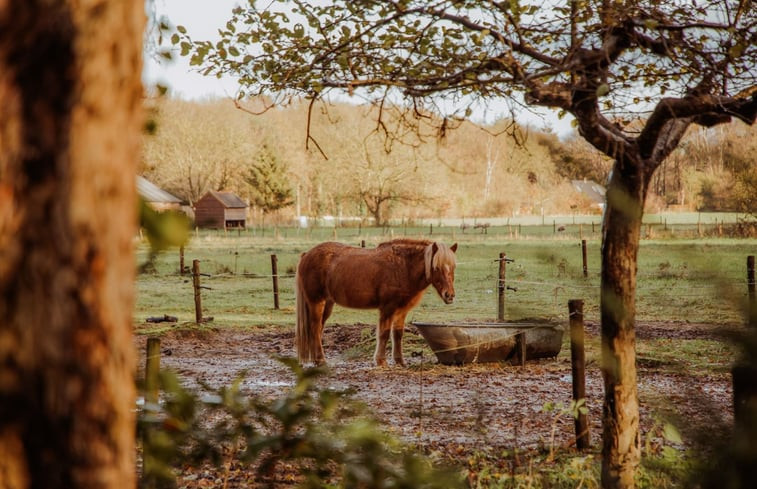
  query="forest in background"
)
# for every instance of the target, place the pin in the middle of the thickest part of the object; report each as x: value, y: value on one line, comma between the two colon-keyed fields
x: 347, y: 167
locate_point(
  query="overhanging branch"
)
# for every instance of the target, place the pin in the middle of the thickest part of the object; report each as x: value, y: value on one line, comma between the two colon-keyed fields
x: 705, y: 110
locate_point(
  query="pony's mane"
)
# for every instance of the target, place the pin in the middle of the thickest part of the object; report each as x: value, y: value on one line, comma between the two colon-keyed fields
x: 443, y: 256
x: 432, y: 261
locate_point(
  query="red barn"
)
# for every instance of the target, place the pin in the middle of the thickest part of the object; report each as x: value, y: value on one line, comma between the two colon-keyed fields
x: 220, y: 210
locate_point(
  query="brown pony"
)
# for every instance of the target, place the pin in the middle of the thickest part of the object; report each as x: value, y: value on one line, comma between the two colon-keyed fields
x: 391, y: 278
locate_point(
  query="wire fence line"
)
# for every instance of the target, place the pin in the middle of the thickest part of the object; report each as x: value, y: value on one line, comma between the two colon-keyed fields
x: 545, y: 278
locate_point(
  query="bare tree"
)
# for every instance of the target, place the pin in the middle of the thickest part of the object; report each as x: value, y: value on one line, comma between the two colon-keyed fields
x: 69, y: 144
x: 608, y: 64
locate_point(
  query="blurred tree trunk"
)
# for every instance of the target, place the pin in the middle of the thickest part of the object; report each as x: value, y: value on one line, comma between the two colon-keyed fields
x: 621, y: 450
x: 69, y: 143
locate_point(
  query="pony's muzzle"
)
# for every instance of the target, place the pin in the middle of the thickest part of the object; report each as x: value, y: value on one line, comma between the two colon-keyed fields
x: 448, y: 297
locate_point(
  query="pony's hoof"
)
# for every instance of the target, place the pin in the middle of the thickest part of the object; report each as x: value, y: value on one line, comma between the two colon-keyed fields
x: 400, y: 362
x: 381, y: 363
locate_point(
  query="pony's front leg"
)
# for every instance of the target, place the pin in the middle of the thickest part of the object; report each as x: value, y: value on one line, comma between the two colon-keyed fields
x: 383, y: 330
x: 398, y: 329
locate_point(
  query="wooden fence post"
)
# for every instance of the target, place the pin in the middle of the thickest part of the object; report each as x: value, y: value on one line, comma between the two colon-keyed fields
x: 152, y: 370
x: 275, y: 275
x: 583, y: 253
x: 744, y: 395
x: 578, y: 363
x: 151, y: 398
x: 501, y: 287
x: 520, y: 348
x: 196, y: 285
x: 181, y: 260
x: 752, y: 296
x: 362, y: 243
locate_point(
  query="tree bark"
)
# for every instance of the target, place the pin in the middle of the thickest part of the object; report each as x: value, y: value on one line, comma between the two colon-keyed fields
x: 70, y: 124
x: 621, y: 451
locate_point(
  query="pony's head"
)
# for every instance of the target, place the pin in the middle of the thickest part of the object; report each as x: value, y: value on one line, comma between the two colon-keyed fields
x: 440, y: 269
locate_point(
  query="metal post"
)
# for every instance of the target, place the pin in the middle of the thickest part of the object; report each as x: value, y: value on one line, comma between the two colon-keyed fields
x: 196, y: 285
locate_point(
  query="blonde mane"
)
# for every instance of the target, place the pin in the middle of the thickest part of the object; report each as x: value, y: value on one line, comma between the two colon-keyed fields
x: 443, y: 256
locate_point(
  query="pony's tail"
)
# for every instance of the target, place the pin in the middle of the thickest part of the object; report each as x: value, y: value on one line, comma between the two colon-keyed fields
x: 303, y: 338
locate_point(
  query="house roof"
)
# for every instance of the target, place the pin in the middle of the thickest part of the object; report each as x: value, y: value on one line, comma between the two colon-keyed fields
x: 229, y: 200
x: 152, y: 193
x: 591, y: 189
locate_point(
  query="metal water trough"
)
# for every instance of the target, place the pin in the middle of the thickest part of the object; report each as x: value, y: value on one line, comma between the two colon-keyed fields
x: 465, y: 342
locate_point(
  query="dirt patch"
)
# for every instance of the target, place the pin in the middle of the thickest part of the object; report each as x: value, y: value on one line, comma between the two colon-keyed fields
x: 446, y: 407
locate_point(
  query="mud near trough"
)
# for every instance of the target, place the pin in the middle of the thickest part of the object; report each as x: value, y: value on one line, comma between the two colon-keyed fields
x: 453, y: 409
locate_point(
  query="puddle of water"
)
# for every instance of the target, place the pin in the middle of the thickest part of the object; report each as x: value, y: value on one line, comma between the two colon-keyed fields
x: 267, y: 383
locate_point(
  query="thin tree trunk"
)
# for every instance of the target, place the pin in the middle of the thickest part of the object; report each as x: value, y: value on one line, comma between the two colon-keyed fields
x: 621, y: 232
x: 69, y: 142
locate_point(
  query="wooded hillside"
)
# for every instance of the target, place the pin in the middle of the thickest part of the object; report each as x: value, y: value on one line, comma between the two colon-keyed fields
x: 350, y: 169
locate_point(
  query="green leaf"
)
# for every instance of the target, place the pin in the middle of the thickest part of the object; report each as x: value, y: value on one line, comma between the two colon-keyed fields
x: 181, y: 29
x: 671, y: 434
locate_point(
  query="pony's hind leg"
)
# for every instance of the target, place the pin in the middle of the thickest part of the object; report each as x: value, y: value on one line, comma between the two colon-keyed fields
x: 318, y: 315
x: 383, y: 330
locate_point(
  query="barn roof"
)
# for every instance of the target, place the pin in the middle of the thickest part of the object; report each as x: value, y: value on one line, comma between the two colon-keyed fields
x: 591, y: 189
x: 229, y: 200
x: 152, y: 193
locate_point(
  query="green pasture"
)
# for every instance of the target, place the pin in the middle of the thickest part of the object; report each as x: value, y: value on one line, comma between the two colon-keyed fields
x: 679, y: 279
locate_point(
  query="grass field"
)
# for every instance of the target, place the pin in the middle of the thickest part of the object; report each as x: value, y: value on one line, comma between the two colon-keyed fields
x: 680, y: 279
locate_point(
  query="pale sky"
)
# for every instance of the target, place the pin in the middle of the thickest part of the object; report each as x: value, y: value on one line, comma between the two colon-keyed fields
x: 203, y: 18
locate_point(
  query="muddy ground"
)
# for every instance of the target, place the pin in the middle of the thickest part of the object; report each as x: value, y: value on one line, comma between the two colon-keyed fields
x: 461, y: 409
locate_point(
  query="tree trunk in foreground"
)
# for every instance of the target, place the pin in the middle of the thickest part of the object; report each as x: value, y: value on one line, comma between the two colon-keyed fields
x: 621, y: 451
x: 70, y: 123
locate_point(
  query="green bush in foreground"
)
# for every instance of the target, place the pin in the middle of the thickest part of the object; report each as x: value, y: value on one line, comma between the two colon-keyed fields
x: 321, y: 438
x: 329, y: 438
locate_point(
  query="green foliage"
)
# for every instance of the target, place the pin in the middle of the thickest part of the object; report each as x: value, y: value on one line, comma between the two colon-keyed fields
x: 331, y: 439
x: 269, y: 181
x: 163, y: 229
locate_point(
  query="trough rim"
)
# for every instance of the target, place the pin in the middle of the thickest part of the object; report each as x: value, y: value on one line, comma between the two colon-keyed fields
x: 481, y: 325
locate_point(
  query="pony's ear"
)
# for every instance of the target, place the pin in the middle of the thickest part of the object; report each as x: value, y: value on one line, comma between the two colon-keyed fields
x: 453, y: 247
